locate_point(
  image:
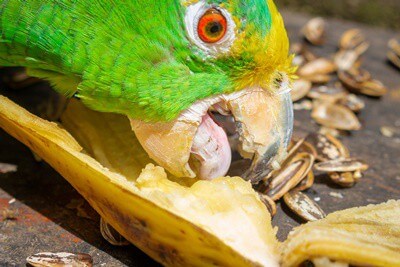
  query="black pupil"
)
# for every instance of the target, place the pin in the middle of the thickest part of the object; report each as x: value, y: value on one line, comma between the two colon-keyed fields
x: 214, y: 28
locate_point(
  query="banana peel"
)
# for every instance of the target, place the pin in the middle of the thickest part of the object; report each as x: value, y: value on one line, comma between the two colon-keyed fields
x: 192, y: 223
x: 365, y: 236
x: 203, y: 223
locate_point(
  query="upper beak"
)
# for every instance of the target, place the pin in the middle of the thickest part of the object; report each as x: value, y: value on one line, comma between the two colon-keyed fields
x: 195, y: 145
x: 272, y: 150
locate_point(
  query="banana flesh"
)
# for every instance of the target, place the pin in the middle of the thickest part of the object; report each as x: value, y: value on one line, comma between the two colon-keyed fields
x: 204, y: 223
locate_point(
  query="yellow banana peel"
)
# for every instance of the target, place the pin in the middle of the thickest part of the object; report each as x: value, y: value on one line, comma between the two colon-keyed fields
x: 192, y: 223
x: 365, y: 236
x: 203, y: 223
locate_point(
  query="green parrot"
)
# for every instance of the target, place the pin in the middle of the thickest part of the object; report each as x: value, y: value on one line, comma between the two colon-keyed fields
x: 169, y: 66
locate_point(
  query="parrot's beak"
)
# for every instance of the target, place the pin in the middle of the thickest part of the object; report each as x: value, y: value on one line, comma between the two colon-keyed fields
x: 256, y: 123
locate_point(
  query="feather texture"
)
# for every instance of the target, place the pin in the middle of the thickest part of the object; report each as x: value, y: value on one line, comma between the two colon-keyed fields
x: 134, y: 57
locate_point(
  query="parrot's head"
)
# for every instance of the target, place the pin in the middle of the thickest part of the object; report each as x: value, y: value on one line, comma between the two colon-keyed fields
x: 216, y: 72
x: 241, y: 43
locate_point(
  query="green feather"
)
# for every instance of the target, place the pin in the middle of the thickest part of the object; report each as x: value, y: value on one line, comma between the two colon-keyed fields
x: 66, y: 85
x: 131, y: 57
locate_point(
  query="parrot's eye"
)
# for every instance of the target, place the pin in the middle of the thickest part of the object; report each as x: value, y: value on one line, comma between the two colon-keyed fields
x: 212, y: 26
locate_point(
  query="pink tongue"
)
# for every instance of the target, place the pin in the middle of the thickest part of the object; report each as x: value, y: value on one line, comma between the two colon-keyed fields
x: 212, y: 149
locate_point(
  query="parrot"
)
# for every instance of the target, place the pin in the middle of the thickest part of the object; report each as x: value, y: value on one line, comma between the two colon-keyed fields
x: 172, y: 67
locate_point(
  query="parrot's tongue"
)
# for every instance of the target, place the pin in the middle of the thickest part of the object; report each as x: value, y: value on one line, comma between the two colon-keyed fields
x: 258, y: 123
x: 211, y: 149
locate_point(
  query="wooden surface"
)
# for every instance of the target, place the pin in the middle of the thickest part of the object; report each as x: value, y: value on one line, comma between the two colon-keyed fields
x: 51, y: 216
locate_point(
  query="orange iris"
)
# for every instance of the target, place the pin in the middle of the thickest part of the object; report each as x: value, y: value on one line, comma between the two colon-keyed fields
x: 212, y: 26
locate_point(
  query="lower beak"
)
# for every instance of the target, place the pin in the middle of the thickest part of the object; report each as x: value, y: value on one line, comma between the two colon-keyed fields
x: 195, y: 144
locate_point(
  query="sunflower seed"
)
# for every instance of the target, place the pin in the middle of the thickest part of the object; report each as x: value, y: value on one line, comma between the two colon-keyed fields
x: 344, y: 179
x: 307, y: 182
x: 49, y: 259
x: 269, y: 203
x: 331, y: 131
x: 360, y: 81
x: 351, y: 39
x: 346, y: 59
x: 327, y: 147
x: 290, y: 175
x: 303, y: 206
x: 317, y: 66
x: 329, y: 94
x: 341, y: 165
x: 353, y: 102
x: 318, y: 78
x: 300, y: 88
x: 335, y: 116
x: 314, y: 31
x: 307, y: 148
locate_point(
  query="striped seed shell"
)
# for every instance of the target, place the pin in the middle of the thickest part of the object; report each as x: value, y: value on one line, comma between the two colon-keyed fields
x: 290, y: 175
x: 269, y: 203
x: 341, y: 165
x: 306, y: 183
x: 59, y: 259
x: 303, y: 206
x: 328, y: 147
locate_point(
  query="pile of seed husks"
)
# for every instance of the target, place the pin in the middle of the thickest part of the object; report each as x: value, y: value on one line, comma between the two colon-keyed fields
x: 332, y: 84
x: 330, y: 88
x: 317, y: 152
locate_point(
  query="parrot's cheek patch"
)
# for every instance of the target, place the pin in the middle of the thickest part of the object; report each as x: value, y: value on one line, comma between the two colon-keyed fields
x: 206, y: 141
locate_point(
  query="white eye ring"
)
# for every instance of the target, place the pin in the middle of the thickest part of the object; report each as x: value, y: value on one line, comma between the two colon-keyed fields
x: 194, y: 13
